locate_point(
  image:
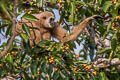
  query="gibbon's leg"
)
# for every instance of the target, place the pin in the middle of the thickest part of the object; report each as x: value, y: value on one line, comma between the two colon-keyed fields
x: 62, y: 35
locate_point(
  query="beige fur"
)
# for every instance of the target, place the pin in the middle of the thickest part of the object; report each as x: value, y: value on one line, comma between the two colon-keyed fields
x: 48, y: 28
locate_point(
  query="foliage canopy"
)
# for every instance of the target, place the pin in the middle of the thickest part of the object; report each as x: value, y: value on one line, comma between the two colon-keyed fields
x: 53, y: 60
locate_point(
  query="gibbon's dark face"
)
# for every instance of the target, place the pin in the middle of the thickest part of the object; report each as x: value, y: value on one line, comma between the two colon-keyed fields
x: 47, y: 19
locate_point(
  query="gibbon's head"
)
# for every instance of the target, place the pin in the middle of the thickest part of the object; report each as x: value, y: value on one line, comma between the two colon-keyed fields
x: 47, y: 19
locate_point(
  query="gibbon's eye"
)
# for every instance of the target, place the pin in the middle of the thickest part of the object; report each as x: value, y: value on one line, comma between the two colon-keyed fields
x: 44, y: 17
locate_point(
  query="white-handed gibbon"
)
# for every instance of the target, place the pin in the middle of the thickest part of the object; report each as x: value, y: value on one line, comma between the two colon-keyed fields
x: 47, y: 28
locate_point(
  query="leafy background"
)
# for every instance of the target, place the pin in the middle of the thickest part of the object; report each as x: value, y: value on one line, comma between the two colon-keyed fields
x: 98, y: 59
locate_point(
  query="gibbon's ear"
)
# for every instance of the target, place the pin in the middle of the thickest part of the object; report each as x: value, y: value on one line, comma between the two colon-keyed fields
x: 61, y: 34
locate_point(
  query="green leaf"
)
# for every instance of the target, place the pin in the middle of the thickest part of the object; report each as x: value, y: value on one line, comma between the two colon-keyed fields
x: 50, y: 70
x: 114, y: 41
x: 100, y: 1
x: 93, y: 77
x: 56, y: 76
x: 53, y: 1
x: 3, y: 27
x: 71, y: 19
x: 113, y: 44
x: 104, y: 35
x: 72, y: 11
x: 25, y: 76
x: 105, y: 50
x: 34, y: 68
x: 9, y: 30
x: 39, y: 3
x: 103, y: 76
x: 34, y: 28
x: 62, y: 75
x: 24, y: 37
x: 7, y: 20
x: 117, y: 5
x: 29, y: 17
x: 72, y: 44
x: 108, y: 29
x: 22, y: 55
x: 62, y: 16
x: 26, y: 29
x: 107, y: 5
x: 59, y: 47
x: 114, y: 13
x: 10, y: 59
x: 109, y: 25
x: 44, y: 66
x: 4, y: 8
x: 80, y: 2
x: 45, y: 43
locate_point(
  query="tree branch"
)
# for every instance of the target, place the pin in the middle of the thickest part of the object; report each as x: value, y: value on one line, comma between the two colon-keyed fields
x: 14, y: 34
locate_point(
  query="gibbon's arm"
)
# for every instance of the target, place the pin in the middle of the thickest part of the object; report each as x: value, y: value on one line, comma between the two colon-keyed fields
x: 62, y: 35
x: 58, y: 32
